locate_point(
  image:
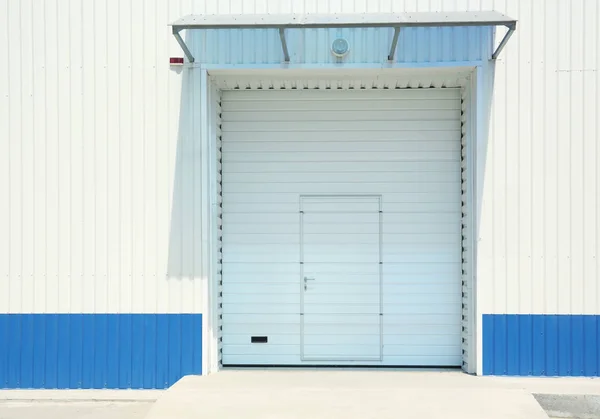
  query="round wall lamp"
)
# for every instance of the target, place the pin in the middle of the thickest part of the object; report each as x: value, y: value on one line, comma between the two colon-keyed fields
x: 340, y: 47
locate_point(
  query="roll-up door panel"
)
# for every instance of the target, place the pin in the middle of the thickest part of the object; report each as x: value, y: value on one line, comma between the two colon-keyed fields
x: 341, y: 227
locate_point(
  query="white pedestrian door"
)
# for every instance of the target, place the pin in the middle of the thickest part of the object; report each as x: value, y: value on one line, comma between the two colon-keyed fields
x: 341, y: 301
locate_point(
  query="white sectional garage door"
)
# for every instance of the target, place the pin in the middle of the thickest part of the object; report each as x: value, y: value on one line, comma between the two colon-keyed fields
x: 341, y: 227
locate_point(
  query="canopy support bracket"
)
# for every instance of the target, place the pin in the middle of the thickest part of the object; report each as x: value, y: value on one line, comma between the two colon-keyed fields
x: 509, y: 33
x: 286, y: 54
x: 182, y: 44
x: 394, y: 44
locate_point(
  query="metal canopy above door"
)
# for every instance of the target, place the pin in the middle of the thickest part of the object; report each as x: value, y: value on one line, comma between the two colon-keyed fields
x: 365, y: 20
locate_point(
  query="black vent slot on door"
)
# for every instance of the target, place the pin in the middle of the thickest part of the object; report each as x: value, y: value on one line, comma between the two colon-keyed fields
x: 259, y: 339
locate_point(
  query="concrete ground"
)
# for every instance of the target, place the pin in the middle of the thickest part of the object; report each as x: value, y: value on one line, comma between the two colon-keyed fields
x: 331, y: 394
x: 570, y: 406
x: 380, y: 394
x: 74, y: 410
x: 76, y: 404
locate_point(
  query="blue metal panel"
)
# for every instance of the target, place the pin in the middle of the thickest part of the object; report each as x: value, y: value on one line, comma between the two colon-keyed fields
x: 150, y: 353
x: 63, y: 352
x: 100, y: 339
x: 89, y: 349
x: 174, y: 337
x: 542, y: 345
x: 75, y: 349
x: 591, y: 343
x: 114, y: 358
x: 525, y: 345
x: 565, y: 340
x: 538, y: 345
x: 98, y: 350
x: 50, y: 349
x: 551, y: 354
x: 126, y: 350
x: 162, y: 351
x: 14, y: 352
x: 3, y: 353
x: 135, y: 359
x: 39, y: 354
x: 513, y: 351
x: 27, y: 337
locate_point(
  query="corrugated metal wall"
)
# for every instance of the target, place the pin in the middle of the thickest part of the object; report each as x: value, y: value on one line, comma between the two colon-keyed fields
x: 540, y: 219
x: 98, y: 212
x: 99, y: 167
x: 538, y: 244
x: 97, y: 160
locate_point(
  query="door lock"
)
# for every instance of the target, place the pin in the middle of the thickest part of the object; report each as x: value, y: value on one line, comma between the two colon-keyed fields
x: 306, y: 279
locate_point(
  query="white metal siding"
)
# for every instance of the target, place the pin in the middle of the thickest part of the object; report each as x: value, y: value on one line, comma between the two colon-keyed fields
x: 539, y: 227
x: 99, y: 161
x: 401, y: 144
x: 57, y: 69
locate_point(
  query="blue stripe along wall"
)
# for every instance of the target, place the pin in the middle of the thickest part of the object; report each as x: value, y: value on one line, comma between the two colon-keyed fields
x: 541, y: 345
x: 98, y: 350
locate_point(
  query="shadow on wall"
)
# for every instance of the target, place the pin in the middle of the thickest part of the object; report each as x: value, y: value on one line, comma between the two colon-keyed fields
x: 185, y: 233
x: 184, y: 272
x: 489, y: 70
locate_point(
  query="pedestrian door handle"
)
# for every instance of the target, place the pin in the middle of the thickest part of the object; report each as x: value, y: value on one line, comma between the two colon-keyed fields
x: 308, y: 279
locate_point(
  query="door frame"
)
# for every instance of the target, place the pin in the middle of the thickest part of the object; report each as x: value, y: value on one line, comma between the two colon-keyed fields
x: 473, y: 77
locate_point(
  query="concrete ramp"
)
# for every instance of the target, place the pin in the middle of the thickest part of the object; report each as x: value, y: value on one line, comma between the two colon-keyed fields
x: 321, y: 394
